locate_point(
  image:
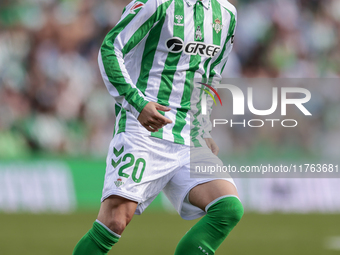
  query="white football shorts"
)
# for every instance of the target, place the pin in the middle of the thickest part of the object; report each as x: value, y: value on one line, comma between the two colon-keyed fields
x: 139, y: 167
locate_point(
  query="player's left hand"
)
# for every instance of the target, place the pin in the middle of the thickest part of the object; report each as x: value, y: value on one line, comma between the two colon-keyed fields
x: 212, y: 145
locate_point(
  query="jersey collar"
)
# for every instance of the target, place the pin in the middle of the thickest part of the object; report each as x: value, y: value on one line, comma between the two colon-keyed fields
x: 206, y: 3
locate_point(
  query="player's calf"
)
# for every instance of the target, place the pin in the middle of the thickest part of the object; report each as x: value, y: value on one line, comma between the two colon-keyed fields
x: 98, y: 241
x: 208, y: 234
x: 114, y: 214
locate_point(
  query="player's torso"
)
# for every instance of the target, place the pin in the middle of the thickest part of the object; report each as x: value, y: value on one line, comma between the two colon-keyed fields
x: 180, y: 47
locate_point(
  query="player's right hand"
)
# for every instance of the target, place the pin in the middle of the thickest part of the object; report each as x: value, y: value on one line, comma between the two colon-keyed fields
x: 151, y: 119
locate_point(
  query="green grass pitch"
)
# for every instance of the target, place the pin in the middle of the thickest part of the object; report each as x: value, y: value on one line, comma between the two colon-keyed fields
x: 158, y: 233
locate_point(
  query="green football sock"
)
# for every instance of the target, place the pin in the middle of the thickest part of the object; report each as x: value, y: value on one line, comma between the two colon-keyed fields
x: 98, y: 241
x: 208, y: 234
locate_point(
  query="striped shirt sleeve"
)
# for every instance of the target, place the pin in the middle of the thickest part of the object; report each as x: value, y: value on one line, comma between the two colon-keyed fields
x: 206, y: 123
x: 137, y: 20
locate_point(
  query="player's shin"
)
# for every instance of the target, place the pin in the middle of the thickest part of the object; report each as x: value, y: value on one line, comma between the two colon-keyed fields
x: 208, y: 234
x: 98, y: 241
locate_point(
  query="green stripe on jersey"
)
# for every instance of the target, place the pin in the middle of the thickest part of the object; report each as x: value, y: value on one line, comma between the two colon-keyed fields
x: 171, y: 62
x: 122, y: 121
x: 117, y: 111
x: 144, y: 29
x: 112, y: 68
x: 170, y: 67
x: 217, y: 15
x: 217, y: 34
x: 230, y: 34
x: 195, y: 60
x: 149, y: 55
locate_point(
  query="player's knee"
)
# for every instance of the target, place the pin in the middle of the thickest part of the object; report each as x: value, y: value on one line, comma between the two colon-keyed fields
x: 117, y: 225
x: 235, y: 212
x: 116, y: 212
x: 228, y: 211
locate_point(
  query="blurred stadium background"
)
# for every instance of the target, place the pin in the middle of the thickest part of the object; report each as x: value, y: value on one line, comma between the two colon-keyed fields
x: 56, y: 120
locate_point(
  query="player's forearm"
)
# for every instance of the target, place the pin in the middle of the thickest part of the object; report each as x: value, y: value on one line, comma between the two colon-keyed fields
x: 117, y: 78
x: 136, y: 22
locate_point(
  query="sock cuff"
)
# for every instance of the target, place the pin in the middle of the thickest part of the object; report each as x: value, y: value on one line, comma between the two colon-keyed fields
x: 113, y: 233
x: 103, y: 238
x: 218, y: 199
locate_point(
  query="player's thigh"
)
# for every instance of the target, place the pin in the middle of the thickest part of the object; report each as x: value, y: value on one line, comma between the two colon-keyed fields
x: 218, y: 184
x: 138, y: 167
x: 116, y: 212
x: 191, y: 192
x: 203, y: 194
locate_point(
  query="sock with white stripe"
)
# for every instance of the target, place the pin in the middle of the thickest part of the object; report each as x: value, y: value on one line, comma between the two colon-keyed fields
x: 209, y: 233
x: 98, y: 241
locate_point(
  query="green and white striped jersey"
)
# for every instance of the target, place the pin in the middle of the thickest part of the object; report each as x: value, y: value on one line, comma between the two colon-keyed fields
x: 156, y: 51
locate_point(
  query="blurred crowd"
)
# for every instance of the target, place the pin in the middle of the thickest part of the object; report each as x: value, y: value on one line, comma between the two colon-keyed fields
x: 53, y: 100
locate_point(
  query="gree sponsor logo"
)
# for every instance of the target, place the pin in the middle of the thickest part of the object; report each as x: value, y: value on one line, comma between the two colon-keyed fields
x: 176, y: 45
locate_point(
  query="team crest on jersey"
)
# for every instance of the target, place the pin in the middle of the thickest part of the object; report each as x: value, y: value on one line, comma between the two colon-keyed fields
x: 179, y: 19
x: 217, y: 25
x: 136, y: 6
x: 198, y: 33
x: 119, y: 182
